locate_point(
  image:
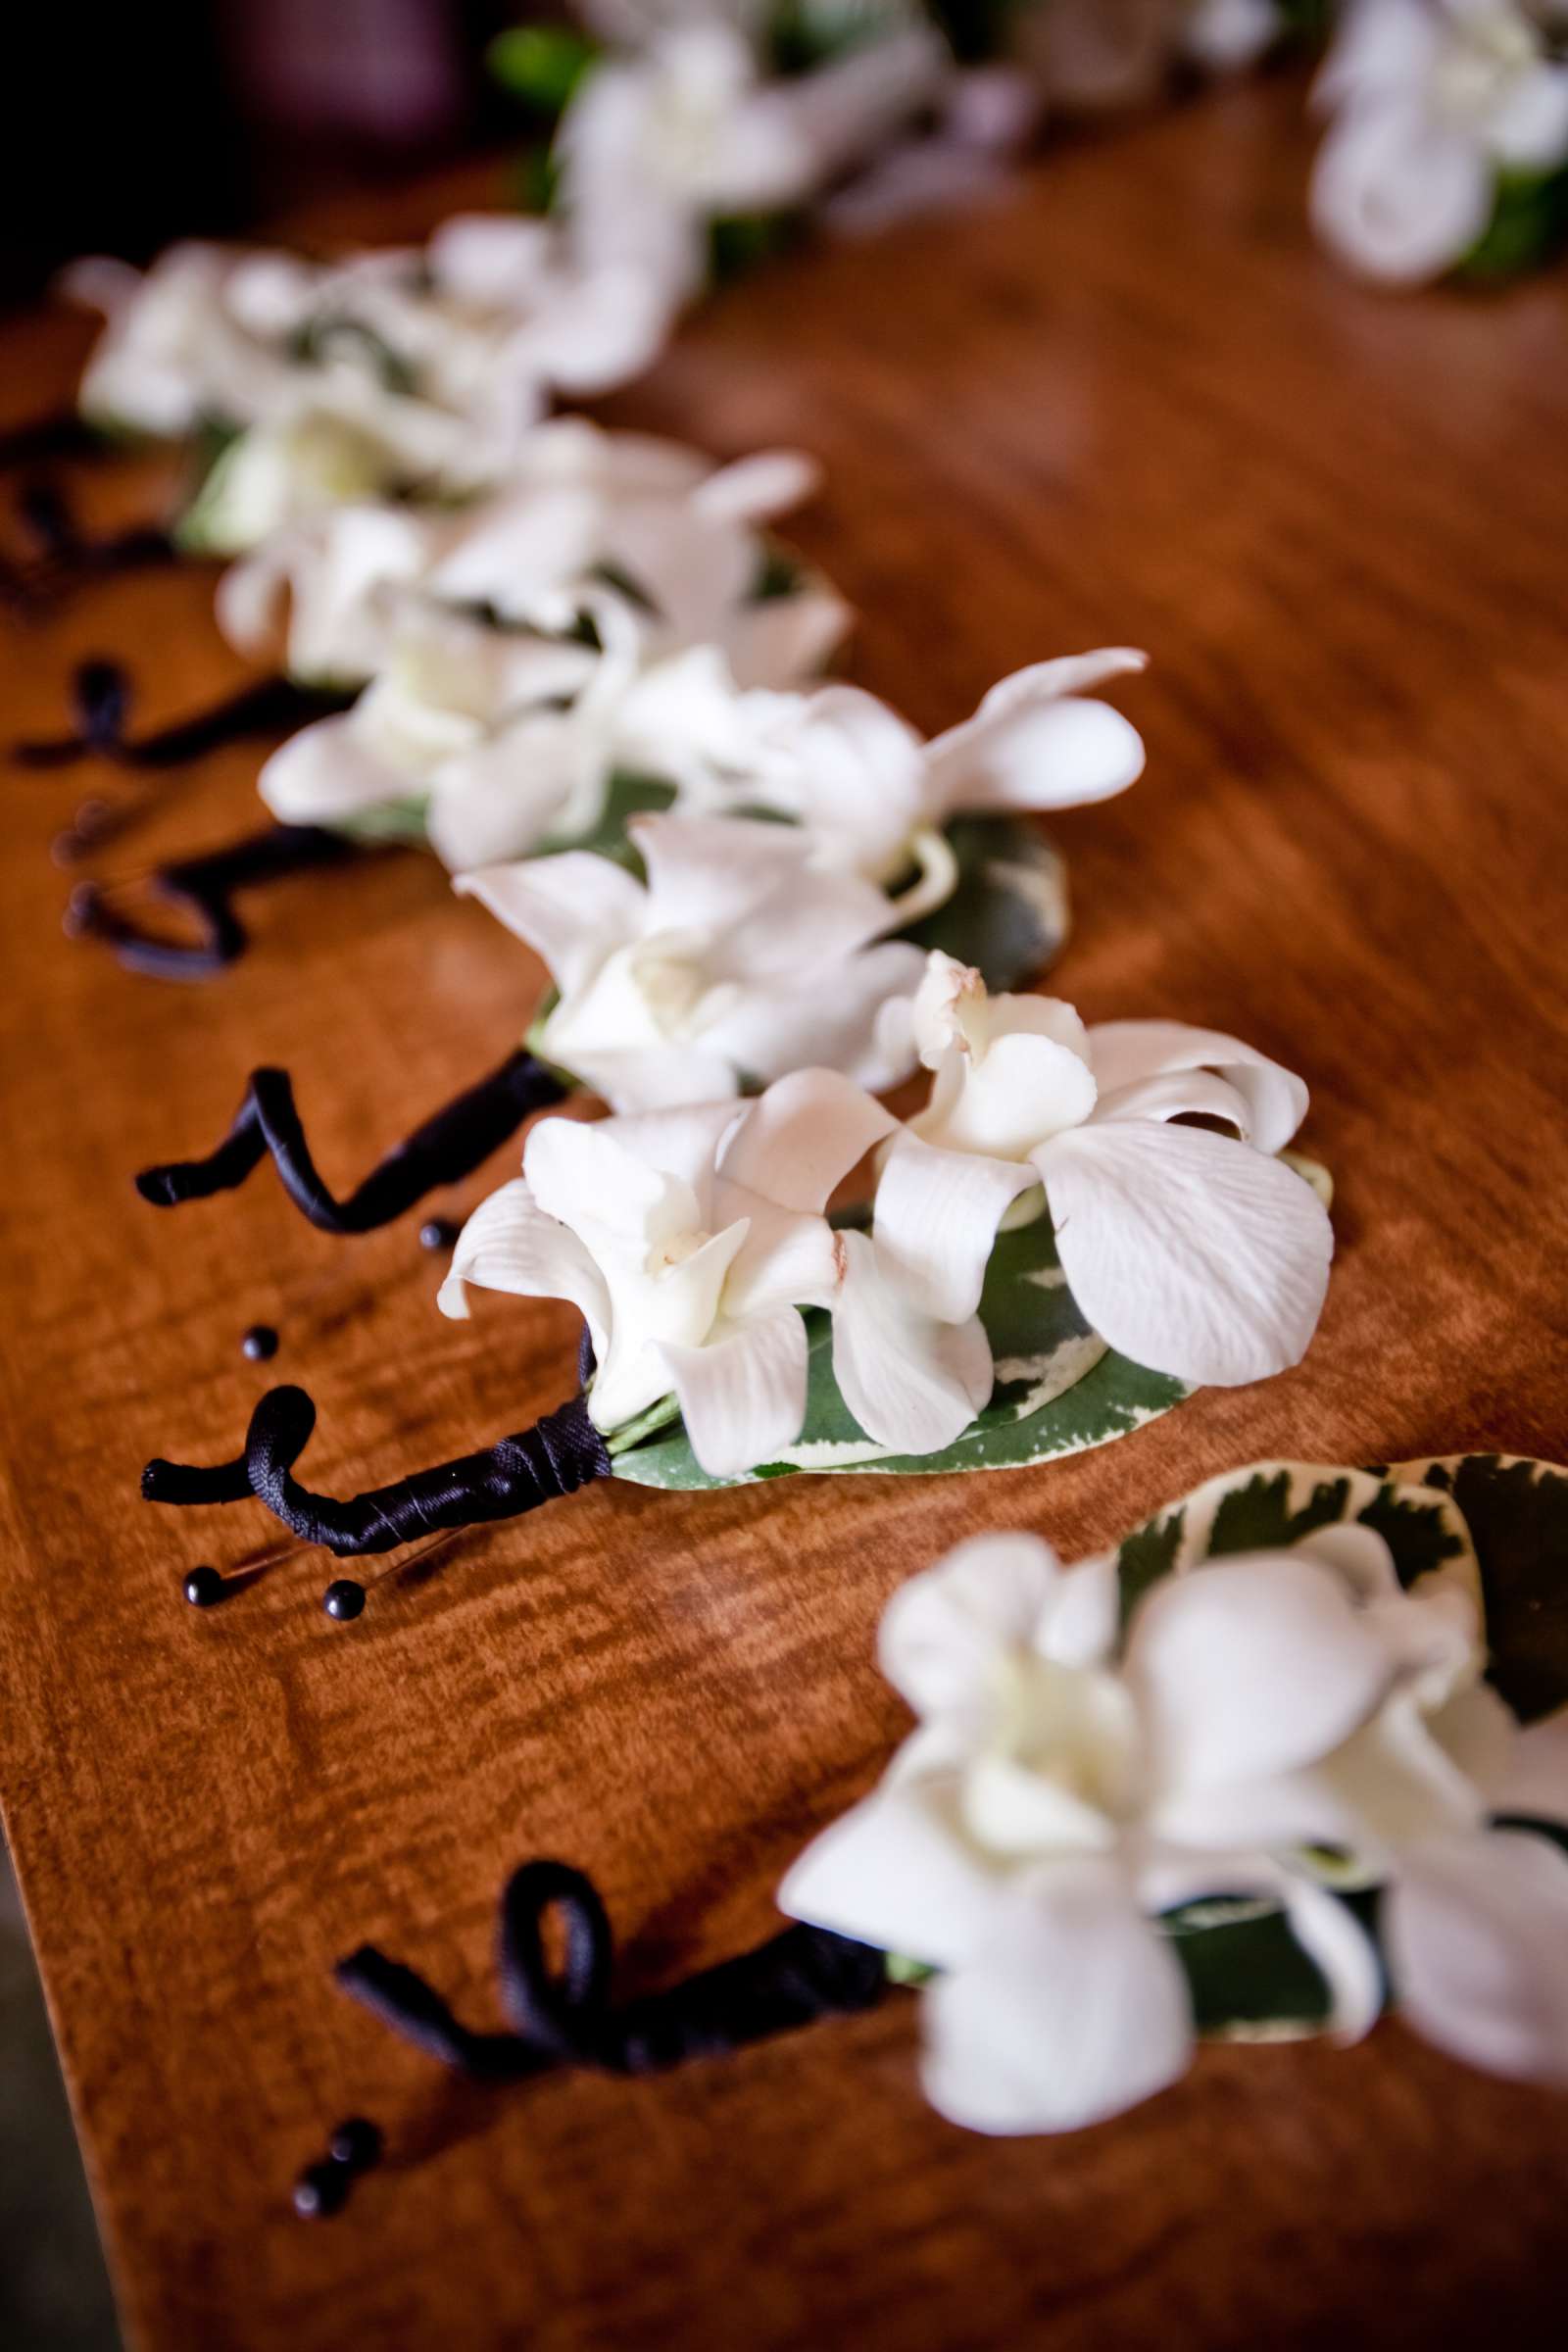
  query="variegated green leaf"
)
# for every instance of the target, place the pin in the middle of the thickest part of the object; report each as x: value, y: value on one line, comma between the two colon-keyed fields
x: 1008, y: 915
x: 1517, y: 1513
x: 1060, y: 1389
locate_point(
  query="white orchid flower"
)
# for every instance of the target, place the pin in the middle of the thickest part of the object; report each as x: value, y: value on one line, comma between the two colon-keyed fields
x: 1060, y: 1795
x: 548, y: 770
x: 1225, y: 36
x: 683, y: 558
x: 1195, y: 1253
x: 652, y: 146
x: 1430, y: 102
x: 876, y: 796
x: 734, y: 963
x: 689, y: 1240
x: 172, y: 353
x: 446, y: 683
x: 579, y: 502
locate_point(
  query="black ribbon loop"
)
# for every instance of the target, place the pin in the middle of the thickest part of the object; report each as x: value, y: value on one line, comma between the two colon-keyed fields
x: 448, y: 1147
x: 567, y: 2020
x: 101, y: 702
x: 205, y: 886
x: 62, y: 434
x: 559, y: 1453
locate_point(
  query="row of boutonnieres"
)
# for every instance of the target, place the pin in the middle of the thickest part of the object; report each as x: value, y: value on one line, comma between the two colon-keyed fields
x: 1447, y: 145
x: 1296, y: 1750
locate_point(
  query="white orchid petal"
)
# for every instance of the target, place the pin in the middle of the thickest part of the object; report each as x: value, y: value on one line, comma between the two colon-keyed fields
x: 1528, y: 131
x: 711, y: 872
x: 1076, y: 2010
x: 1248, y: 1667
x: 510, y: 1244
x: 941, y: 1632
x: 802, y: 1136
x: 936, y: 1220
x: 1475, y: 1930
x: 327, y: 771
x: 1054, y: 755
x: 839, y: 1018
x: 756, y: 488
x: 743, y: 1393
x: 1193, y: 1254
x: 787, y: 640
x: 571, y: 910
x: 912, y: 1383
x: 1123, y: 1053
x: 1343, y: 1955
x: 1397, y: 196
x: 586, y: 1175
x: 894, y: 1874
x: 1537, y: 1778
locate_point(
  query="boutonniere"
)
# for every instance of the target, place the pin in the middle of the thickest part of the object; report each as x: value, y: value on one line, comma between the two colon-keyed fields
x: 1295, y: 1752
x: 1046, y: 1258
x: 1447, y: 140
x: 537, y: 625
x: 700, y: 955
x: 297, y: 386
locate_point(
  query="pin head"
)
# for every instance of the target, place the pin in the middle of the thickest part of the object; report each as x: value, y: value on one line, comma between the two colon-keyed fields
x: 320, y: 2191
x: 260, y: 1342
x: 343, y: 1599
x: 437, y: 1233
x: 203, y: 1587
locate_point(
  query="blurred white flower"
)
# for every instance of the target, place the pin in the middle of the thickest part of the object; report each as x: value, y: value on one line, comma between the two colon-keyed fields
x: 876, y: 796
x: 734, y: 963
x: 1063, y: 1792
x: 1428, y: 104
x: 686, y: 128
x: 1195, y: 1254
x: 171, y: 353
x: 584, y: 516
x: 1224, y: 36
x: 689, y: 1240
x: 445, y: 683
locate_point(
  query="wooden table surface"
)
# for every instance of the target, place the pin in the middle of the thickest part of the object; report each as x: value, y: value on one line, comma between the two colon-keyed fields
x: 1128, y: 403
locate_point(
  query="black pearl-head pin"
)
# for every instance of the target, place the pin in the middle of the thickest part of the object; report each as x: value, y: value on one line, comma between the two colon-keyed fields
x: 437, y: 1233
x: 322, y: 2188
x: 259, y: 1343
x: 344, y: 1599
x: 204, y: 1588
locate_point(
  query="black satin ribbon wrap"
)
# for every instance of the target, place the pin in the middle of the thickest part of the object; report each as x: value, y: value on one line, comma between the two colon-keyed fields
x: 568, y: 2019
x: 101, y: 701
x: 447, y: 1148
x: 205, y: 886
x: 559, y: 1453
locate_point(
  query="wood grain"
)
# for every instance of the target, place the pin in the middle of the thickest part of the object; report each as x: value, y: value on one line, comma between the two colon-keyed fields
x: 1127, y: 403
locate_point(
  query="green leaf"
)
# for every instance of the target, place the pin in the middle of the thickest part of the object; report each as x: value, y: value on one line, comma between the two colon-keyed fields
x: 1517, y: 1513
x: 323, y: 338
x: 1008, y: 915
x: 541, y: 65
x: 740, y: 242
x: 1060, y: 1389
x: 1527, y: 226
x: 627, y: 796
x: 388, y: 820
x: 1249, y: 1977
x: 1268, y: 1506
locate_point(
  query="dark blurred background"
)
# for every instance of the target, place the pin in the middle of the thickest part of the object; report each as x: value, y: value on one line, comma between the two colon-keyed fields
x: 129, y: 125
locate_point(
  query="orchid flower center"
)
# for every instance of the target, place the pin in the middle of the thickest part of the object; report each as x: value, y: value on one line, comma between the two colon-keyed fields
x: 1484, y: 55
x: 1063, y: 1764
x: 673, y: 984
x: 674, y: 1250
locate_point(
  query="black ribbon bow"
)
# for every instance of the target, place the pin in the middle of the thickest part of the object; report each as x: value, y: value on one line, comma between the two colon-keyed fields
x: 448, y: 1147
x: 559, y: 1453
x: 205, y: 886
x: 568, y: 2018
